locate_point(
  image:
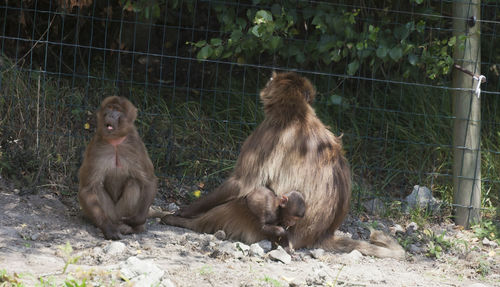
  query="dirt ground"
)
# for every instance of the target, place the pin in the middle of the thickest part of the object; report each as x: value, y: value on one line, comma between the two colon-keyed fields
x: 34, y: 228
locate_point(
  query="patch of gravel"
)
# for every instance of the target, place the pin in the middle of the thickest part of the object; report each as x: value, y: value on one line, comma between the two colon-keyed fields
x: 34, y: 229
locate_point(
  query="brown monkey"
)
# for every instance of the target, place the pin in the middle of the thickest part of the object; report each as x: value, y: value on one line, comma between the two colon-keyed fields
x: 117, y: 180
x: 276, y: 214
x: 290, y: 150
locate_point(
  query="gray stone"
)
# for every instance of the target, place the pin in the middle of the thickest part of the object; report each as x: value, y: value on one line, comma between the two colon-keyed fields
x: 321, y: 274
x: 115, y: 248
x: 243, y: 247
x: 141, y: 273
x: 220, y: 234
x: 412, y: 248
x: 317, y: 253
x: 353, y: 257
x: 172, y: 207
x: 411, y: 228
x: 490, y: 243
x: 266, y: 245
x: 396, y: 229
x: 375, y: 206
x: 421, y: 197
x: 256, y: 250
x: 230, y: 248
x: 280, y: 254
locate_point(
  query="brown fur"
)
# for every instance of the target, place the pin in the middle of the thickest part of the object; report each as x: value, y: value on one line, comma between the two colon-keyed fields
x: 276, y: 214
x: 290, y: 150
x: 117, y: 180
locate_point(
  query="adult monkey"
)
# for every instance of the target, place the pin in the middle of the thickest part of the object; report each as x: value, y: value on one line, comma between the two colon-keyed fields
x: 117, y: 180
x: 290, y: 150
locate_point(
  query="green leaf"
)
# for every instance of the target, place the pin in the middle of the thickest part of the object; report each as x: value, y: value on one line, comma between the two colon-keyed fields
x: 200, y: 44
x: 274, y: 42
x: 218, y: 51
x: 300, y: 57
x: 236, y: 35
x: 215, y: 42
x: 352, y: 67
x: 335, y: 100
x: 227, y: 54
x: 396, y: 53
x: 381, y: 52
x: 413, y: 59
x: 255, y: 31
x: 276, y: 9
x: 262, y: 17
x: 205, y: 52
x: 452, y: 41
x: 336, y: 55
x: 242, y: 23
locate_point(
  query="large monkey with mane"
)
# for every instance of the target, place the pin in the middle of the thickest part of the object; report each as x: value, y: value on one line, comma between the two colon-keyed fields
x: 290, y: 150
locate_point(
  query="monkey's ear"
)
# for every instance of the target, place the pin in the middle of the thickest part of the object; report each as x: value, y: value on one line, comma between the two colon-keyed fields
x: 273, y: 75
x: 283, y: 200
x: 132, y: 114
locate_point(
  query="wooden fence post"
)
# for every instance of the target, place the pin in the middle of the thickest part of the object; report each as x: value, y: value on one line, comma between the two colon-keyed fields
x: 467, y: 113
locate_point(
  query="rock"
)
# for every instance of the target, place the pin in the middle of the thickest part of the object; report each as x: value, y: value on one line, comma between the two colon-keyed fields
x: 115, y: 248
x: 280, y: 254
x: 256, y: 250
x: 266, y: 245
x: 317, y: 253
x: 412, y: 248
x: 230, y: 248
x: 220, y: 234
x: 172, y: 207
x: 476, y: 285
x: 421, y: 197
x: 353, y: 257
x: 243, y: 247
x: 141, y: 273
x: 411, y: 228
x: 375, y: 206
x: 322, y: 274
x: 486, y: 242
x: 396, y: 229
x: 35, y: 236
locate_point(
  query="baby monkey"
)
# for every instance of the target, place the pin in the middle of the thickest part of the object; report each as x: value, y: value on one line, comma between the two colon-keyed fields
x: 276, y: 214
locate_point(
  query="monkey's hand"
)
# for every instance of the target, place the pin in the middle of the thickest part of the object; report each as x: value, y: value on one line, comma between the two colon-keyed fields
x: 111, y: 232
x: 274, y: 230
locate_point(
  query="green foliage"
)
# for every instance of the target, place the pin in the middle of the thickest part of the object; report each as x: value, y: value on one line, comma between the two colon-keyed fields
x: 437, y: 244
x: 420, y: 216
x: 488, y: 228
x: 67, y: 255
x: 307, y: 33
x: 272, y: 281
x: 7, y: 280
x: 75, y: 283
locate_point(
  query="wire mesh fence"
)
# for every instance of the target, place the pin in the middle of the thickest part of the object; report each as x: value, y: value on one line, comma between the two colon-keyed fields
x: 194, y: 70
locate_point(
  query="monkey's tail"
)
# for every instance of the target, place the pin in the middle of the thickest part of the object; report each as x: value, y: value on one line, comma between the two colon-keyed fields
x: 380, y: 245
x: 157, y: 212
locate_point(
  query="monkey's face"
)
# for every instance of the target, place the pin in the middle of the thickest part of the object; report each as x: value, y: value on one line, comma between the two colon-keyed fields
x: 115, y: 117
x: 290, y: 220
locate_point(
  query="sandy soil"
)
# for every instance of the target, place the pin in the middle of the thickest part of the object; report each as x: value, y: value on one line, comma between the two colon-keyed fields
x: 33, y: 229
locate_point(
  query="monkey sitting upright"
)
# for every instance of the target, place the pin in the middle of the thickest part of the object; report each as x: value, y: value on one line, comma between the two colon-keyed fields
x: 276, y: 214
